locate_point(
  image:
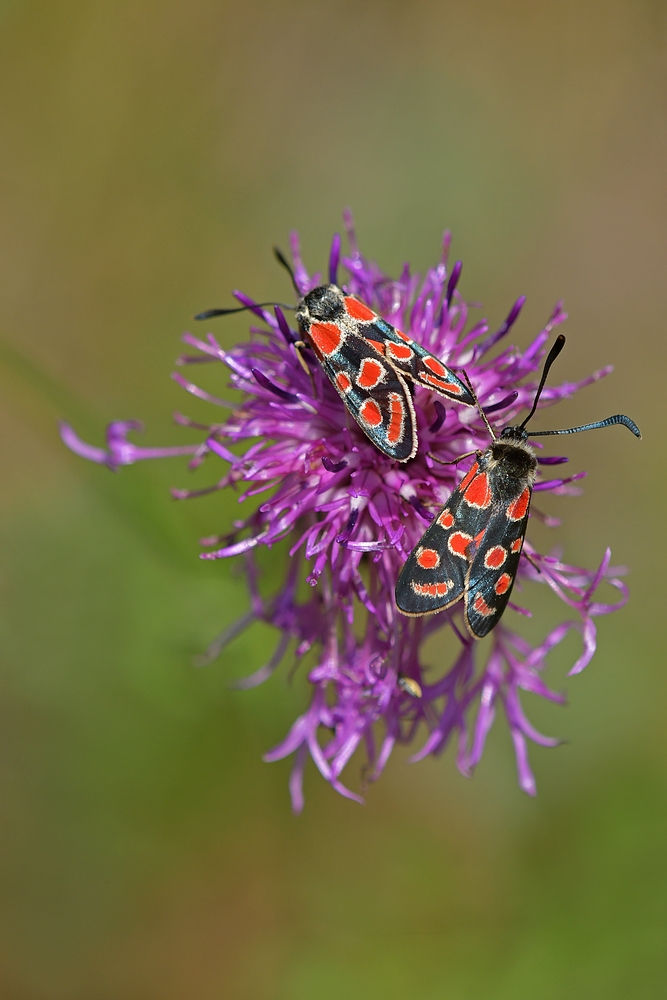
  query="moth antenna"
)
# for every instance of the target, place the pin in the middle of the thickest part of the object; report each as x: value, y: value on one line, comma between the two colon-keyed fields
x: 210, y: 313
x: 283, y: 261
x: 618, y: 418
x: 479, y: 408
x: 558, y: 346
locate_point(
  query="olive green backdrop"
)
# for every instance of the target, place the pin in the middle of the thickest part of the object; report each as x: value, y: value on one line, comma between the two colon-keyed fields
x: 152, y: 152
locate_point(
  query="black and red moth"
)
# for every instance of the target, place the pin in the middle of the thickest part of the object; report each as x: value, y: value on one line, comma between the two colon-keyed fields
x: 472, y: 548
x: 368, y: 361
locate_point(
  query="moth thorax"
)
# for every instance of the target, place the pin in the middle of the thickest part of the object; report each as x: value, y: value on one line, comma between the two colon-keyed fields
x: 324, y: 303
x: 516, y: 458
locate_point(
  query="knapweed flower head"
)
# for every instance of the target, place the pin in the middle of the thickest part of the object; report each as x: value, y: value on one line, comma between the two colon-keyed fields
x: 349, y: 516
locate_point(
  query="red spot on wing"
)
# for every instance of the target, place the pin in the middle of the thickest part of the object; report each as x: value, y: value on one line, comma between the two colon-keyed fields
x: 396, y: 418
x: 459, y: 542
x: 427, y: 558
x: 481, y: 607
x: 495, y: 557
x: 375, y: 344
x: 326, y: 337
x: 478, y: 494
x: 503, y: 584
x: 404, y: 336
x: 398, y: 351
x: 370, y: 413
x: 439, y: 383
x: 470, y: 474
x: 516, y: 545
x: 370, y: 373
x: 446, y: 519
x: 343, y: 382
x: 357, y: 309
x: 435, y: 366
x: 517, y: 509
x: 432, y: 589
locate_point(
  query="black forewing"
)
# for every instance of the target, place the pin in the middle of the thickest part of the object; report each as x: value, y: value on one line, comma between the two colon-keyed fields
x: 484, y: 604
x: 348, y: 360
x: 421, y: 590
x: 438, y: 377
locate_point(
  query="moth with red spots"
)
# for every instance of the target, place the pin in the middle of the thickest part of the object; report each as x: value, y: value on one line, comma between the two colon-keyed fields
x: 368, y: 361
x: 472, y: 549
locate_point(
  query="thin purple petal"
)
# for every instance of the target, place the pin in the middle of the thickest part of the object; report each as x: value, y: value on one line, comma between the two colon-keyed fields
x: 453, y: 281
x: 334, y: 258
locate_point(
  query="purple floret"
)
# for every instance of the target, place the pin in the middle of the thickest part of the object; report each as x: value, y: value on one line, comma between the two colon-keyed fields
x: 349, y: 516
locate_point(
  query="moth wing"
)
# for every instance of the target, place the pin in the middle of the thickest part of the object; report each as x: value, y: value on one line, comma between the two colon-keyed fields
x: 494, y: 567
x: 418, y: 364
x: 432, y: 578
x: 376, y: 395
x: 434, y: 575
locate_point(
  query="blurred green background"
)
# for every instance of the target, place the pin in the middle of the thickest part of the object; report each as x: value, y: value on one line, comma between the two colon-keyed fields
x: 151, y: 155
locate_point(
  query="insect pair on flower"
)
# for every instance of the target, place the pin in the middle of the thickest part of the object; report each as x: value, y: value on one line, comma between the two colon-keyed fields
x: 472, y: 549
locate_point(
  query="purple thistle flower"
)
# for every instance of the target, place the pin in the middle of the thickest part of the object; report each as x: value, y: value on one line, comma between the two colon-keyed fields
x: 349, y: 516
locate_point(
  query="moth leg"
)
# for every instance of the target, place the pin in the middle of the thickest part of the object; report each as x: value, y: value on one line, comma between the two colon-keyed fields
x: 453, y: 461
x: 531, y: 561
x: 298, y: 345
x: 547, y: 519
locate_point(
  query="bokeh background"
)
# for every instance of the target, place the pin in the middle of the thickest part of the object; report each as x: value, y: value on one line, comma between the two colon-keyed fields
x: 152, y: 153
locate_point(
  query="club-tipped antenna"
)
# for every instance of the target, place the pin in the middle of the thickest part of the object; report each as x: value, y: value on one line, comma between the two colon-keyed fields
x: 618, y: 418
x: 558, y: 346
x: 283, y: 261
x: 210, y: 313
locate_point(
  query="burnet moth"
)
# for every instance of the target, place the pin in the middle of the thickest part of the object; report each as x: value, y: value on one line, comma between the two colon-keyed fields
x: 472, y: 548
x: 368, y: 361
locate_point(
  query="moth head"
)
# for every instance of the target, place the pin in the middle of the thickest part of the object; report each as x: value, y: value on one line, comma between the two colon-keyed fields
x: 514, y: 435
x: 324, y: 303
